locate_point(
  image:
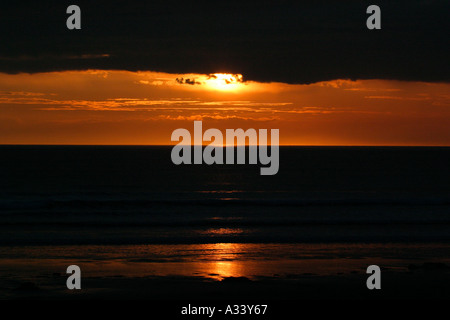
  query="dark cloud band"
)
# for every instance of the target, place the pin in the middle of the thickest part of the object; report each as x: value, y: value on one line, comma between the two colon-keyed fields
x: 265, y: 41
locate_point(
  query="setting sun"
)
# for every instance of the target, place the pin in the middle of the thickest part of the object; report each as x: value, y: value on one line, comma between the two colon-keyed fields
x: 225, y: 81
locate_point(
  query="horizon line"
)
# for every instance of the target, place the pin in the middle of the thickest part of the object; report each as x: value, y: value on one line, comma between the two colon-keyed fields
x: 223, y: 146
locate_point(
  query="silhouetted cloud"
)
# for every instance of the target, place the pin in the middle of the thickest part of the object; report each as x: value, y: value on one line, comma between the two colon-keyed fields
x: 265, y: 41
x: 187, y: 81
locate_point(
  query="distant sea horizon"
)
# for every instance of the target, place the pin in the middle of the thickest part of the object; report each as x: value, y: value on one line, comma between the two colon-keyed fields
x: 281, y: 145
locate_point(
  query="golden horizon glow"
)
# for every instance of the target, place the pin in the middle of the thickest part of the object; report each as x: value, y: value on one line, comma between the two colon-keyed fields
x: 110, y: 107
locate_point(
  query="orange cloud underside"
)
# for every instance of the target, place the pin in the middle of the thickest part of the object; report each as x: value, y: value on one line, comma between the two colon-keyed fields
x: 119, y: 107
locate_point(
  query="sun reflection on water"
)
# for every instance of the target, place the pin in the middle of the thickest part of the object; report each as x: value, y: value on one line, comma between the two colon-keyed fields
x: 225, y: 262
x: 221, y: 231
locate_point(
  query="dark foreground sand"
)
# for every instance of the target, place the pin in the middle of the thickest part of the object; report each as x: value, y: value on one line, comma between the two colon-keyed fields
x: 429, y: 282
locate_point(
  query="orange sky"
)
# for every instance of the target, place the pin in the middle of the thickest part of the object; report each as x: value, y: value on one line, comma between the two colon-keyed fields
x: 143, y: 108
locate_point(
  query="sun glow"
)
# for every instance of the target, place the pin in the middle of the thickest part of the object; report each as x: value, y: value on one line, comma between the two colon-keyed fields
x: 225, y: 81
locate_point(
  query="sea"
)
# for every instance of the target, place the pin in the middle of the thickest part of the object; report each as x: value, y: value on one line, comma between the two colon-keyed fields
x: 128, y: 210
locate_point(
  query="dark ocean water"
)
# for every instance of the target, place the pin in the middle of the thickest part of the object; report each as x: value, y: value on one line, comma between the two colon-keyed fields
x: 96, y: 195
